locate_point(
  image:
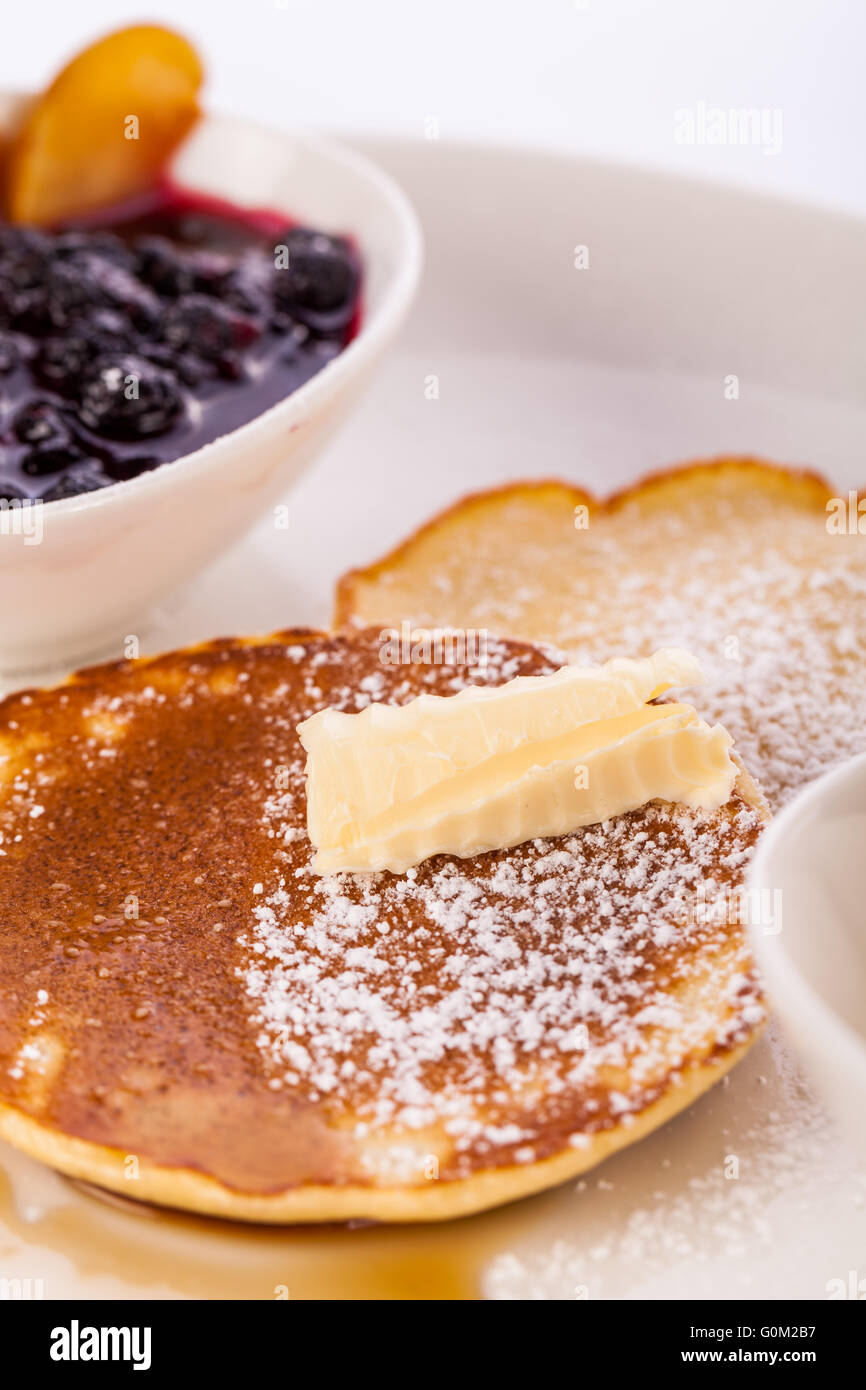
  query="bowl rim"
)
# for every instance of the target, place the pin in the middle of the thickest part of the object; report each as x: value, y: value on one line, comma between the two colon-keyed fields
x: 790, y: 989
x: 372, y: 334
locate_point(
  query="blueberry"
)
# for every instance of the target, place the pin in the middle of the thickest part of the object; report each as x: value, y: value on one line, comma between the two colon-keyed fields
x: 10, y: 301
x: 321, y: 272
x: 61, y: 361
x: 128, y: 397
x: 74, y: 485
x: 23, y: 264
x: 22, y: 309
x: 40, y: 422
x: 122, y: 469
x: 70, y: 292
x: 210, y: 270
x: 248, y: 288
x: 10, y: 353
x: 108, y: 245
x: 162, y: 266
x: 126, y: 293
x: 50, y: 458
x: 189, y: 369
x: 82, y: 283
x: 206, y: 326
x: 109, y: 329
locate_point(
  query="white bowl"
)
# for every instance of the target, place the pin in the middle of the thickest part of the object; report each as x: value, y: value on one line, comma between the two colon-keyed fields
x: 105, y: 559
x: 814, y: 959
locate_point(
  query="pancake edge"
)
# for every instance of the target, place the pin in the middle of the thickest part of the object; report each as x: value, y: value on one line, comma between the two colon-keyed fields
x: 316, y: 1203
x: 800, y: 486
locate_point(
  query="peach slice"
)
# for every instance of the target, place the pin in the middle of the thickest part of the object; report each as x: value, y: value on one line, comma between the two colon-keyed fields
x: 105, y: 128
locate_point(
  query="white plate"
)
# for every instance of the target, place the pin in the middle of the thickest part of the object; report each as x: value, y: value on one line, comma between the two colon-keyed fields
x: 598, y: 375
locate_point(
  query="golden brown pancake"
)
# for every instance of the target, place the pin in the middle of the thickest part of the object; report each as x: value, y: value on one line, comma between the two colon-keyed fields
x: 190, y: 1016
x: 737, y: 561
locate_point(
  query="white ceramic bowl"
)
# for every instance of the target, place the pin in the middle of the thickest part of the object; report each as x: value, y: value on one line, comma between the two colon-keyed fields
x: 814, y: 856
x: 106, y: 558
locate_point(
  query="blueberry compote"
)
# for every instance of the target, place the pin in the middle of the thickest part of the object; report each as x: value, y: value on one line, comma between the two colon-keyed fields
x: 128, y: 345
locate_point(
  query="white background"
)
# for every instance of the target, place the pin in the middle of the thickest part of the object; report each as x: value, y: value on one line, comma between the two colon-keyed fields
x: 592, y: 76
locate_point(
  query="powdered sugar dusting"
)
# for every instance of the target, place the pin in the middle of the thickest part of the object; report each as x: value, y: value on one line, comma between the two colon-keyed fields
x: 538, y: 993
x: 752, y: 1201
x: 753, y: 583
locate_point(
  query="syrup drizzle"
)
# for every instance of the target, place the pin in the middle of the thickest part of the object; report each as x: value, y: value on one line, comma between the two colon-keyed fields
x: 169, y: 1253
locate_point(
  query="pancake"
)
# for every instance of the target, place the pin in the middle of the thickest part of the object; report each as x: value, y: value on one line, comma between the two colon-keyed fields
x: 737, y: 561
x: 190, y: 1016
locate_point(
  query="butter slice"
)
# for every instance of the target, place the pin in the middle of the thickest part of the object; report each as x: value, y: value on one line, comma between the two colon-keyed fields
x: 493, y: 767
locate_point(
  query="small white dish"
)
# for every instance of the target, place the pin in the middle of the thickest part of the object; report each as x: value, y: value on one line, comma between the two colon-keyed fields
x: 79, y: 578
x: 813, y: 954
